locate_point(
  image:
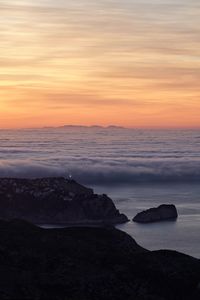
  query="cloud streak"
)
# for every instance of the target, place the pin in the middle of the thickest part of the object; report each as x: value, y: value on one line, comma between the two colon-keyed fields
x: 123, y: 51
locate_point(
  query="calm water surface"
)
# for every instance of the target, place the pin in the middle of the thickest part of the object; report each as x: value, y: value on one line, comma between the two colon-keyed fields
x: 181, y: 235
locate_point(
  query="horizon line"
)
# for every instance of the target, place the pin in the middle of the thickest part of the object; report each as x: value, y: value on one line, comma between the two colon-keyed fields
x: 104, y: 127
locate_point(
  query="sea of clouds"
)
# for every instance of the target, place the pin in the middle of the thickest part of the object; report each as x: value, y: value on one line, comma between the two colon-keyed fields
x: 149, y: 172
x: 102, y: 156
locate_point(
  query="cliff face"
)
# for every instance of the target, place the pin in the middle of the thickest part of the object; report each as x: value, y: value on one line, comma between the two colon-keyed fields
x: 89, y: 263
x: 55, y: 200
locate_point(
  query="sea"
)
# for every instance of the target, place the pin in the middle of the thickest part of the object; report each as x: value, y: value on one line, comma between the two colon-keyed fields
x: 137, y: 168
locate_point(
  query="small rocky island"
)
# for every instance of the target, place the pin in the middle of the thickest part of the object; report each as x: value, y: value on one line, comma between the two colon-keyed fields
x: 55, y: 201
x: 161, y: 213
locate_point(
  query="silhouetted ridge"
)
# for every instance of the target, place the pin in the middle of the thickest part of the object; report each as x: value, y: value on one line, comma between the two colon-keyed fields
x: 89, y: 263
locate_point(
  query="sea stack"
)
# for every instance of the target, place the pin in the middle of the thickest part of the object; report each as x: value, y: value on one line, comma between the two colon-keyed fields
x: 161, y: 213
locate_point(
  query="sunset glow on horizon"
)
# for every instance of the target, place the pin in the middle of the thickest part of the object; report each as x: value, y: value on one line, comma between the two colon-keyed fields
x: 134, y: 63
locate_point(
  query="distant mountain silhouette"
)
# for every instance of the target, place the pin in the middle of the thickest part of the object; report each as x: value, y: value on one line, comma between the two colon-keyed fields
x: 68, y: 126
x: 91, y: 127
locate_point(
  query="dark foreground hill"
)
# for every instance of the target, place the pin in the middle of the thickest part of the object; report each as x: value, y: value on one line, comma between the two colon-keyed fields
x: 55, y: 200
x: 89, y: 264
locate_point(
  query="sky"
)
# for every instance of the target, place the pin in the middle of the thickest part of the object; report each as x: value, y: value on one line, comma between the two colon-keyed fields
x: 134, y: 63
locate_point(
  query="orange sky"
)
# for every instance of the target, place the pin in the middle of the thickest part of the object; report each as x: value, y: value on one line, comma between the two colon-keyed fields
x: 134, y: 63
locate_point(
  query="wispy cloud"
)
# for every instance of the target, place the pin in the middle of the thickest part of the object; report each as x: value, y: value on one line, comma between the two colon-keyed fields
x: 95, y: 54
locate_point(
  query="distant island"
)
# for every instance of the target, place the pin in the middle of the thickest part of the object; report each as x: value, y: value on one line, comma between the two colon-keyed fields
x: 84, y: 127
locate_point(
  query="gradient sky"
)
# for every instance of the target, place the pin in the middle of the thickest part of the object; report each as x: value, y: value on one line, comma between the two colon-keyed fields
x: 134, y: 63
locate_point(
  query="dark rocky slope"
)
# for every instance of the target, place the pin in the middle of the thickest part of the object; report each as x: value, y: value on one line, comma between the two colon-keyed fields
x: 163, y: 212
x: 87, y: 264
x: 55, y: 200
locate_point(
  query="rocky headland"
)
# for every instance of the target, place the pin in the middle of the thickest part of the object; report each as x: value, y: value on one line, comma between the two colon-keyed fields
x: 89, y: 263
x: 55, y: 201
x: 163, y: 212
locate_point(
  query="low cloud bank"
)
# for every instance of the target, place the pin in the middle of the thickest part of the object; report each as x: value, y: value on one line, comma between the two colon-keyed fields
x: 102, y: 173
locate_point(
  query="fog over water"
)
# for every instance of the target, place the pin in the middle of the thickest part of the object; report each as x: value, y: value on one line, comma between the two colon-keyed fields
x: 102, y: 156
x: 137, y: 168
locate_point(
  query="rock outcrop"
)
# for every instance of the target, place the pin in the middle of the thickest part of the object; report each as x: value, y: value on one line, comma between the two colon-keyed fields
x: 89, y: 263
x: 55, y: 201
x: 161, y: 213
